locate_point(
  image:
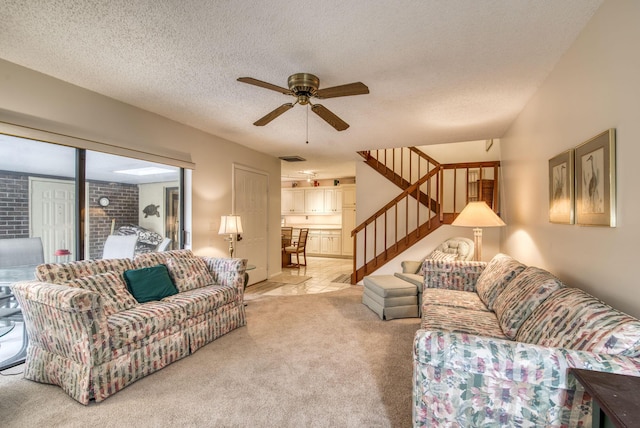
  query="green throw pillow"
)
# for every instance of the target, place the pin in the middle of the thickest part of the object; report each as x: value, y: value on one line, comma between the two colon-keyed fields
x: 150, y: 283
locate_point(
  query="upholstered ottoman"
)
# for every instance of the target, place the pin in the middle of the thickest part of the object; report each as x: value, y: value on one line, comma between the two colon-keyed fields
x: 390, y: 297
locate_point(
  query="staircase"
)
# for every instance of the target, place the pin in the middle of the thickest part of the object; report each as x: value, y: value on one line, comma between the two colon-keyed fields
x: 432, y: 195
x: 409, y: 166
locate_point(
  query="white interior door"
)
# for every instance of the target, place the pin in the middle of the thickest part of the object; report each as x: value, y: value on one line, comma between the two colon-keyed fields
x: 52, y: 204
x: 250, y: 201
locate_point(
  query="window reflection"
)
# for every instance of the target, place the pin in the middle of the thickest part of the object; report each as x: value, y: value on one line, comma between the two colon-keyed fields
x: 37, y: 224
x: 131, y: 197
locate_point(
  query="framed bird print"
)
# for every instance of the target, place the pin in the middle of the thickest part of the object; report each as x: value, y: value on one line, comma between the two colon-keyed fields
x: 561, y: 196
x: 595, y: 165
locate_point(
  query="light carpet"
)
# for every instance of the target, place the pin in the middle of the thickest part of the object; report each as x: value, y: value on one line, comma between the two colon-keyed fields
x: 321, y: 360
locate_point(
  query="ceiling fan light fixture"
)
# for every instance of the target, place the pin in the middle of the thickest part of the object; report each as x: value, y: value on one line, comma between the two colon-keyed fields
x: 303, y: 100
x: 304, y: 86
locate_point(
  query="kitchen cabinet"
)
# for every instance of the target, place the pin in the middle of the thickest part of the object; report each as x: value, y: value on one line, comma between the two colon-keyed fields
x: 348, y: 224
x: 330, y: 243
x: 293, y: 201
x: 313, y: 242
x: 324, y: 242
x: 314, y: 201
x: 333, y: 200
x: 348, y: 196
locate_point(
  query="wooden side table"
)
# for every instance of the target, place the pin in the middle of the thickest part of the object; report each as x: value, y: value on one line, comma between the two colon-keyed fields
x: 615, y: 397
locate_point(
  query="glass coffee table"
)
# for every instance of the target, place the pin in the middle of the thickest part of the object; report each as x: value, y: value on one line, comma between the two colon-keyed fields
x: 10, y: 312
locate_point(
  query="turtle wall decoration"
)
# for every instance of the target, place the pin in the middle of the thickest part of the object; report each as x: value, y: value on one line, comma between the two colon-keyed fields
x: 151, y: 209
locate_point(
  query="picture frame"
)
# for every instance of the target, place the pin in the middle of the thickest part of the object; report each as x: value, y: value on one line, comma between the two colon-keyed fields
x: 595, y: 168
x: 561, y: 188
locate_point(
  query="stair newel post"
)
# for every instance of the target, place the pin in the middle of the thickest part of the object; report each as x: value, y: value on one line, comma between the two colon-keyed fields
x: 429, y: 203
x: 395, y: 217
x: 385, y: 159
x: 495, y: 191
x: 364, y: 260
x: 393, y: 161
x: 406, y: 221
x: 402, y: 164
x: 375, y: 242
x: 419, y: 164
x: 440, y: 186
x: 418, y: 210
x: 455, y: 190
x: 466, y: 187
x: 385, y: 231
x: 354, y: 276
x: 480, y: 190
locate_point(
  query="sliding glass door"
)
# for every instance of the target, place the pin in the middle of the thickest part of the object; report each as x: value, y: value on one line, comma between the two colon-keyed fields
x: 130, y: 196
x: 60, y: 203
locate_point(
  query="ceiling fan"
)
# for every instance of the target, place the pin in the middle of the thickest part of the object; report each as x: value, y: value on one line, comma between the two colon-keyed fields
x: 304, y: 86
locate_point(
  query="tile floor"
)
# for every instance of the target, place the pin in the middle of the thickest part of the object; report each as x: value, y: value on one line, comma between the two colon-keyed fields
x: 322, y: 271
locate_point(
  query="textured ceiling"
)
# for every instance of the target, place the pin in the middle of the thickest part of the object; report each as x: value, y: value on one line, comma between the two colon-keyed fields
x: 438, y: 71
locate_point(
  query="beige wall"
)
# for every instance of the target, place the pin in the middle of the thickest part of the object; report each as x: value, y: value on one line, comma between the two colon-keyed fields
x: 29, y: 98
x: 466, y: 151
x: 594, y: 87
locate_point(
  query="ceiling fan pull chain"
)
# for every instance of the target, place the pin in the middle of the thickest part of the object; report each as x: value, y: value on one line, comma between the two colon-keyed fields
x: 307, y: 123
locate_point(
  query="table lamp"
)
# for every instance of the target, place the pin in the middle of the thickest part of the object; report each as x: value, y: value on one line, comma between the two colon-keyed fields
x: 478, y: 215
x: 230, y: 225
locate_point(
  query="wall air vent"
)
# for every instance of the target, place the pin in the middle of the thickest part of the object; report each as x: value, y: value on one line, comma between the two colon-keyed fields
x: 292, y: 158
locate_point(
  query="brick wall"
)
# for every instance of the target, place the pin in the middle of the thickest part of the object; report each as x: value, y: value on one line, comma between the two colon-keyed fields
x: 14, y: 209
x: 14, y: 205
x: 123, y: 207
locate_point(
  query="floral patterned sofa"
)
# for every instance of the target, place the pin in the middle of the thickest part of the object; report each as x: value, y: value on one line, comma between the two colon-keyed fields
x: 496, y: 342
x: 91, y: 337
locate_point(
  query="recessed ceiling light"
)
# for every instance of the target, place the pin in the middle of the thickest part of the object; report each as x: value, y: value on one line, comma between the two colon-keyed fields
x: 151, y: 170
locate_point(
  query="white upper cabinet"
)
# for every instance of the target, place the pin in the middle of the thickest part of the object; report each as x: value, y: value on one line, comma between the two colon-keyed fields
x: 314, y: 201
x: 333, y: 200
x: 293, y: 201
x: 317, y: 200
x: 349, y: 195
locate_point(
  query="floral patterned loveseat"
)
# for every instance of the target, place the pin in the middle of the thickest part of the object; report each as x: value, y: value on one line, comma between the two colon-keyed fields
x: 497, y: 340
x: 91, y: 337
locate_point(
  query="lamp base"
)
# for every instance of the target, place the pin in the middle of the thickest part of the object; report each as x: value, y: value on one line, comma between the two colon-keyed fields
x: 230, y: 239
x: 477, y: 240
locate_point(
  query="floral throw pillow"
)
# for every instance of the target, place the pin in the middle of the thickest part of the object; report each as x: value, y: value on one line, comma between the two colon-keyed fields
x: 111, y: 287
x: 521, y: 296
x: 189, y: 273
x: 500, y: 271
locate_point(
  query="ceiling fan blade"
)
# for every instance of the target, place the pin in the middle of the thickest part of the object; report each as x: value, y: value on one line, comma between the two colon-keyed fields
x: 329, y: 117
x: 357, y: 88
x: 275, y: 113
x: 256, y: 82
